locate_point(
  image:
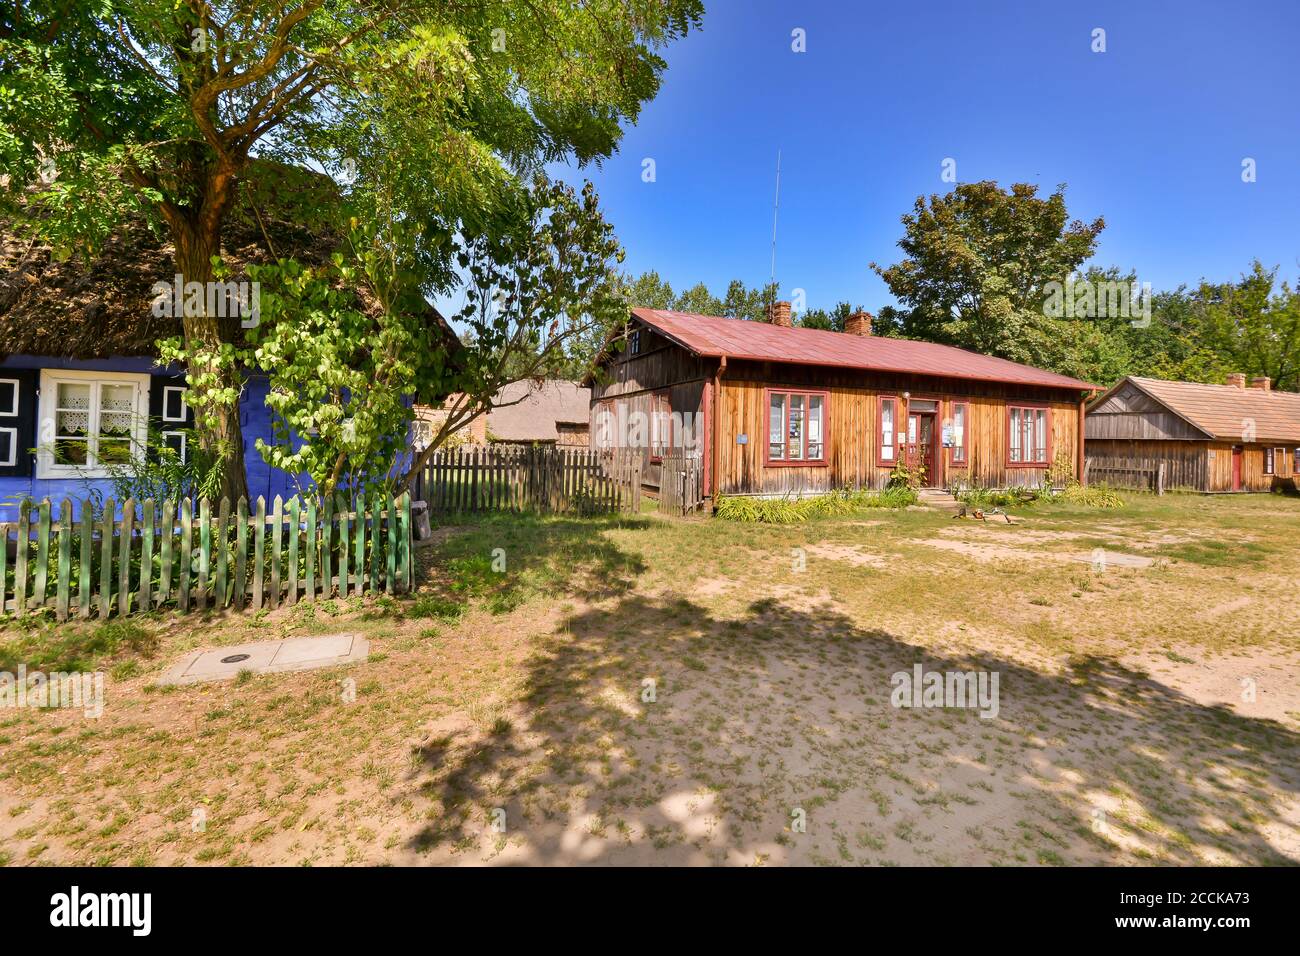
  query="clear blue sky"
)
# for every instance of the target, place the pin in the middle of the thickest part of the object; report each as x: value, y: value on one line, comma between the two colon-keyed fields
x: 1150, y: 134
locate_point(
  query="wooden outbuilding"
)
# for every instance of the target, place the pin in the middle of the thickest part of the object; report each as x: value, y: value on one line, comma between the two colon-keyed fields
x: 773, y: 410
x: 1149, y: 433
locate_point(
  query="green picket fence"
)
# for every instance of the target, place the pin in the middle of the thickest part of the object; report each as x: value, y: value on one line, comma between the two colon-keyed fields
x: 190, y: 556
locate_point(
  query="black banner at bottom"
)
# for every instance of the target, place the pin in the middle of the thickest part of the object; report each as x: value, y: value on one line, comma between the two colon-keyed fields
x: 334, y: 906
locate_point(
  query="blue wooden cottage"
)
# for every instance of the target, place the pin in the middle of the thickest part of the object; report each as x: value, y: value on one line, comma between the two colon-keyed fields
x: 81, y: 389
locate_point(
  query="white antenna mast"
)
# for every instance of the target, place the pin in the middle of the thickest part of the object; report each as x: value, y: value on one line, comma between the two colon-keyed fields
x: 776, y: 205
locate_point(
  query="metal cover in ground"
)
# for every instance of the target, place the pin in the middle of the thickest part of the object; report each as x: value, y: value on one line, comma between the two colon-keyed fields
x: 268, y: 657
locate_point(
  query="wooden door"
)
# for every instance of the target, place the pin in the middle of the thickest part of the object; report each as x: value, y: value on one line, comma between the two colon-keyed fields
x: 1236, y: 467
x: 920, y: 445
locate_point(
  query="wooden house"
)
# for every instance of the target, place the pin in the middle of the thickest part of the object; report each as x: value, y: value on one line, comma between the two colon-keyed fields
x: 775, y: 410
x: 528, y: 412
x: 81, y: 390
x: 1150, y: 433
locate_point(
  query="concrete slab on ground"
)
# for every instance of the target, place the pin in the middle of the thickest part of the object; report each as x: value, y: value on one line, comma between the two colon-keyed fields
x: 268, y: 657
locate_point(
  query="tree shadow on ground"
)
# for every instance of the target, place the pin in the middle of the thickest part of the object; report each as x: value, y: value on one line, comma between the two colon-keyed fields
x: 652, y: 730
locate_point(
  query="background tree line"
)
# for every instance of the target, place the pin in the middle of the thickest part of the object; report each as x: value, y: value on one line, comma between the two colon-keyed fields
x: 977, y: 272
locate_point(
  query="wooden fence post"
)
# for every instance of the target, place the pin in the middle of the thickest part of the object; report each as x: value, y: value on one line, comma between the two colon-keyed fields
x: 345, y: 542
x: 277, y: 540
x: 146, y: 557
x: 41, y: 584
x: 311, y: 549
x: 106, y: 522
x: 167, y: 529
x: 205, y: 550
x: 65, y: 560
x: 85, y: 586
x: 259, y: 549
x: 124, y: 545
x: 223, y: 552
x: 20, y: 559
x: 359, y: 554
x: 240, y: 597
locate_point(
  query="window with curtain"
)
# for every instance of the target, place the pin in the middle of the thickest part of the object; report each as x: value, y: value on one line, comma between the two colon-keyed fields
x: 960, y: 412
x: 1027, y: 436
x: 91, y: 422
x: 887, y: 430
x: 796, y: 427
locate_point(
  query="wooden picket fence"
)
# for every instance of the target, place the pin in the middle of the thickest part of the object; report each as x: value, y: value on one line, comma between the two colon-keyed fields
x: 146, y: 557
x: 681, y: 485
x: 539, y: 478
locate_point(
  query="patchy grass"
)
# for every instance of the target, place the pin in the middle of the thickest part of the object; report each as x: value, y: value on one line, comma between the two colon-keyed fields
x: 43, y: 645
x: 694, y: 691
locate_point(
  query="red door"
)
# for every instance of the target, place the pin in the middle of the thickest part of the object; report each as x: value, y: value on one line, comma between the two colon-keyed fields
x: 920, y: 446
x: 1236, y: 467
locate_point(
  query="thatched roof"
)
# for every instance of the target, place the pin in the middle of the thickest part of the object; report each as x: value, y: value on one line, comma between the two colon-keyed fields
x: 531, y: 410
x: 79, y: 309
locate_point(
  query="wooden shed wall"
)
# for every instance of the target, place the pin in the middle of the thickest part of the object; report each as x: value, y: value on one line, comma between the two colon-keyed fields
x: 633, y: 382
x: 1129, y: 464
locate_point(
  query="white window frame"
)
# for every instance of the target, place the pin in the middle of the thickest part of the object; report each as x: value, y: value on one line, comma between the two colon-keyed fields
x: 174, y: 388
x: 185, y: 443
x: 49, y: 393
x: 13, y: 447
x: 12, y: 412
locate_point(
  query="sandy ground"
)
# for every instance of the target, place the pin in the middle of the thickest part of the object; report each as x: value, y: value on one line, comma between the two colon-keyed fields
x: 739, y: 713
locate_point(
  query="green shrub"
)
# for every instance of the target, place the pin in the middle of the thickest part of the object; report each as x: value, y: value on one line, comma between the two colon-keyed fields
x: 842, y: 501
x: 1093, y: 496
x: 1090, y: 496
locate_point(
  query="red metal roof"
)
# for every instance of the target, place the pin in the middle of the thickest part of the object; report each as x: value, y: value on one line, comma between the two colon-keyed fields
x: 759, y: 341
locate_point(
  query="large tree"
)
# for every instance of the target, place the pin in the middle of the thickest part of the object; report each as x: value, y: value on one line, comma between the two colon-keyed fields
x: 434, y: 110
x: 1254, y: 325
x: 976, y: 264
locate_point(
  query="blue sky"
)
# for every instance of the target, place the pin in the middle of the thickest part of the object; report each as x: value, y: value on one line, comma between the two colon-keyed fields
x: 1150, y: 134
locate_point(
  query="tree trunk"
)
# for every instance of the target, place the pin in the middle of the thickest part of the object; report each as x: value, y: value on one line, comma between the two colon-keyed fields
x: 198, y: 239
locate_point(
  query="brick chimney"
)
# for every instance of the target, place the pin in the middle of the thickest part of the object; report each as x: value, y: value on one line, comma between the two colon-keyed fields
x: 1262, y: 382
x: 859, y: 323
x: 779, y: 314
x: 1237, y: 380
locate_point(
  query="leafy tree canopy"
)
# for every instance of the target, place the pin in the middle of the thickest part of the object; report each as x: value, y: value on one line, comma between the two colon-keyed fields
x: 976, y: 264
x: 435, y: 114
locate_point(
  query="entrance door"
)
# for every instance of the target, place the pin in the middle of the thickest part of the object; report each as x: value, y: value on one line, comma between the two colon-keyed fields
x: 1236, y: 467
x: 920, y: 446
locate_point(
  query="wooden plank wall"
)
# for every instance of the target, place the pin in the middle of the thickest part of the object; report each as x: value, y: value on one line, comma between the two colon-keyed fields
x: 852, y: 445
x: 1130, y: 464
x: 670, y: 369
x: 1252, y: 468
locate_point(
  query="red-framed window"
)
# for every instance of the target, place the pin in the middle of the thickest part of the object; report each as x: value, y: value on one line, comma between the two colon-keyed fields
x: 661, y: 424
x: 1029, y: 436
x: 889, y: 431
x: 959, y: 452
x: 796, y: 427
x: 1270, y: 460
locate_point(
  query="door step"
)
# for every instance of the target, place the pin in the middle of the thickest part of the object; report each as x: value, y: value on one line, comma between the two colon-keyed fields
x: 939, y: 500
